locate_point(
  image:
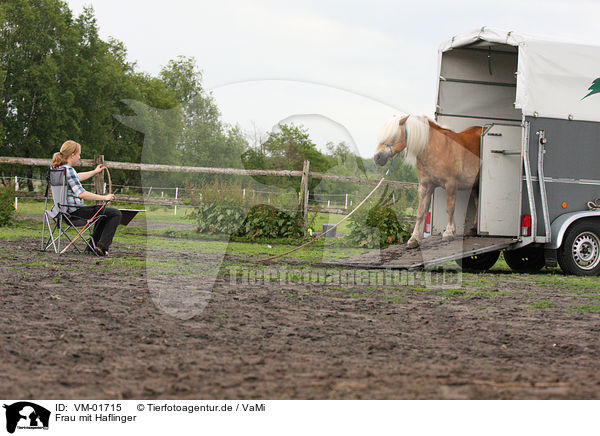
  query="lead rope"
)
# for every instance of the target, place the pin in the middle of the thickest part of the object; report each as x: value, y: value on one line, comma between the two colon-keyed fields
x: 340, y: 222
x: 329, y: 230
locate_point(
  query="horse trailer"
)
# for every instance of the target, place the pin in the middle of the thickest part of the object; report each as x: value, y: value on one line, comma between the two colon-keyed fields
x: 539, y: 104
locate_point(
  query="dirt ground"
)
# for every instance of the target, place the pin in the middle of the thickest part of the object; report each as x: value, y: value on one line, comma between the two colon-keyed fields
x: 74, y: 327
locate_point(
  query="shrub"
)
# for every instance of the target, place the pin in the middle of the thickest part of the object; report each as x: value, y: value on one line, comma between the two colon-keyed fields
x: 222, y: 208
x: 7, y: 208
x: 268, y: 221
x: 223, y: 217
x: 377, y: 226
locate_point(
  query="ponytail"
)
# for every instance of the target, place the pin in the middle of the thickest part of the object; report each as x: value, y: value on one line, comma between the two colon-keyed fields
x: 66, y: 150
x: 57, y: 160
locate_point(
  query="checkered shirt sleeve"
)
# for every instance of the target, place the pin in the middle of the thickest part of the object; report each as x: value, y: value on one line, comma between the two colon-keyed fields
x: 74, y: 188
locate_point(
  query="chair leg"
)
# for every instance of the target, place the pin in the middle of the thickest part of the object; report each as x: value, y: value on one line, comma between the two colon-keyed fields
x: 43, y: 229
x: 59, y: 231
x: 81, y: 235
x: 51, y: 239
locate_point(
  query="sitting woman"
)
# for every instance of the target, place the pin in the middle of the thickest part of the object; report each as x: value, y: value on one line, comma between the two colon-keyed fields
x: 104, y: 229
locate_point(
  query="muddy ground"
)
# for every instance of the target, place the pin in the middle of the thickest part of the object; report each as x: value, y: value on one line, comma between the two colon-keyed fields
x: 76, y: 327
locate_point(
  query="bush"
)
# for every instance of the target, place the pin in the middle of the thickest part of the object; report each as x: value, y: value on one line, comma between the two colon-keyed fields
x: 270, y: 222
x: 213, y: 217
x: 7, y: 208
x: 377, y: 226
x: 222, y: 209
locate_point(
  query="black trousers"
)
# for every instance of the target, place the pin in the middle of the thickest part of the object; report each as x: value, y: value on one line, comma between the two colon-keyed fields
x: 105, y: 229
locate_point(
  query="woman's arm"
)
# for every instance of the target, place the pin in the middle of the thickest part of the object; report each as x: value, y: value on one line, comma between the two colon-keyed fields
x: 88, y: 174
x: 86, y: 195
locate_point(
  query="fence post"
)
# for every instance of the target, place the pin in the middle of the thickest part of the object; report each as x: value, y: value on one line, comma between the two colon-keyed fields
x: 304, y: 191
x: 346, y: 202
x: 99, y: 178
x: 16, y: 189
x: 176, y: 193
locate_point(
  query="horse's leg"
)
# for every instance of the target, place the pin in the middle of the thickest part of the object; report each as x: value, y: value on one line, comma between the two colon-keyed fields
x: 450, y: 232
x: 475, y: 195
x: 424, y: 193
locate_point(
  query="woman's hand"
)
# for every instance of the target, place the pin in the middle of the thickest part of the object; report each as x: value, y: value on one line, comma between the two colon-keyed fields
x: 99, y: 168
x: 108, y: 197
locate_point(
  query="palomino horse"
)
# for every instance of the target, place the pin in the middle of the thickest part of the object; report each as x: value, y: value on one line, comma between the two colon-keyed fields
x: 442, y: 157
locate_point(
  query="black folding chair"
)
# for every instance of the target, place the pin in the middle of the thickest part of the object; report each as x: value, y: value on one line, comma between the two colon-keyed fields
x: 59, y: 222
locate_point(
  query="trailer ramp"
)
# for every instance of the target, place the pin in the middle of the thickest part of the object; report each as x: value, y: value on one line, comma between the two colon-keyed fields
x: 434, y: 251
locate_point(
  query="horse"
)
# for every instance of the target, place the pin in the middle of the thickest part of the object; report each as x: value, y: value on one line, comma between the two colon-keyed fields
x: 442, y: 157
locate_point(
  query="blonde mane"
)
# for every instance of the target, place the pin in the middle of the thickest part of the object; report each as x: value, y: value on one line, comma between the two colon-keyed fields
x: 417, y: 130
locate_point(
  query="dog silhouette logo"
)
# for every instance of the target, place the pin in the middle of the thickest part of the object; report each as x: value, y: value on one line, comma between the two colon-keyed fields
x: 26, y: 415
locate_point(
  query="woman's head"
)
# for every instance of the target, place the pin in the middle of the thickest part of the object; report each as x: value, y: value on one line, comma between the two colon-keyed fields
x: 68, y: 149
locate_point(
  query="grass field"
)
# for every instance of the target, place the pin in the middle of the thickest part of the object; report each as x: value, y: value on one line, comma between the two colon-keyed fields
x: 166, y: 214
x: 190, y: 241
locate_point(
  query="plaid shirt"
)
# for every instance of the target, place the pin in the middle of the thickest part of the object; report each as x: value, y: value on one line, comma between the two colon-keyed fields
x: 74, y: 188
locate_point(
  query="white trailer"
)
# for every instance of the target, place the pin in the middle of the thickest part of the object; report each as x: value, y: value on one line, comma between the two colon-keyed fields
x: 540, y: 151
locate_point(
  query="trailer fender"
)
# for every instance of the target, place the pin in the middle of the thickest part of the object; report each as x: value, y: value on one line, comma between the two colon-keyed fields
x: 560, y: 225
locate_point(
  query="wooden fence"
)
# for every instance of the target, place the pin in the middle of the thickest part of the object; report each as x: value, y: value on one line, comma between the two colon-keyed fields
x: 305, y: 174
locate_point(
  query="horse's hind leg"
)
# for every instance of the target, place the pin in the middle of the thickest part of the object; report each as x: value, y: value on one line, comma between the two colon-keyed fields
x: 475, y: 195
x: 425, y: 191
x: 450, y: 232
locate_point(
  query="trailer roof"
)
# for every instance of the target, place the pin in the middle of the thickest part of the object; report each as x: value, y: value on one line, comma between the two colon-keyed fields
x: 555, y: 79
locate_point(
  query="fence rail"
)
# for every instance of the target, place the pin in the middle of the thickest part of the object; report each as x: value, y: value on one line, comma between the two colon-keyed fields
x: 166, y: 202
x: 304, y: 175
x: 206, y: 170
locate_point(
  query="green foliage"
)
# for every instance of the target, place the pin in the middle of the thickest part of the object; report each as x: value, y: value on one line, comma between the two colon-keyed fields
x: 287, y: 149
x: 222, y: 209
x: 7, y: 208
x: 270, y: 222
x: 219, y: 217
x: 61, y: 81
x: 378, y: 226
x: 205, y: 140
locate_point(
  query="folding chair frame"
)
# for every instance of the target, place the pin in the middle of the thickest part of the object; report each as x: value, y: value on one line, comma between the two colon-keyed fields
x: 58, y: 221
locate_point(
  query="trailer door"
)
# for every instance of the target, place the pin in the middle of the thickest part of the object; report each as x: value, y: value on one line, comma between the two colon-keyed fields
x: 500, y: 181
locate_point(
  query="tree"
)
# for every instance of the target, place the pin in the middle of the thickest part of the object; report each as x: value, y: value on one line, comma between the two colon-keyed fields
x: 287, y: 149
x: 205, y: 139
x: 64, y: 82
x: 31, y: 34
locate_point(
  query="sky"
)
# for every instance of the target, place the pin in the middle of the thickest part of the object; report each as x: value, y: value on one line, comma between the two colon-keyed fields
x: 338, y: 68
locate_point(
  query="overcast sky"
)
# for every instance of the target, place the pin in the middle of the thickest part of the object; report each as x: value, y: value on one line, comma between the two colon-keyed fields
x: 339, y: 68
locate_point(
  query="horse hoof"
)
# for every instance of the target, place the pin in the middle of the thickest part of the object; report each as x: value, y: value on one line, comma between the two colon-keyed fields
x: 472, y: 232
x: 448, y: 237
x: 412, y: 243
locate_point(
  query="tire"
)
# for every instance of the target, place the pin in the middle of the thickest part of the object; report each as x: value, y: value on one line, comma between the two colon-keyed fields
x: 579, y: 253
x: 479, y: 262
x: 525, y: 259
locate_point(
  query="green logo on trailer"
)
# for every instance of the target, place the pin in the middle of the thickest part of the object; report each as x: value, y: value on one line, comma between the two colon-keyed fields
x: 595, y: 88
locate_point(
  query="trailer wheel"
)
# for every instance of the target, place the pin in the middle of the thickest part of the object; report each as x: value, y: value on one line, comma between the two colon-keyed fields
x: 525, y: 259
x: 479, y: 262
x: 579, y: 253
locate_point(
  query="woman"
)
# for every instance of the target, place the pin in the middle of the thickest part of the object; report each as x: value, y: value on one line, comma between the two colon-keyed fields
x: 105, y: 229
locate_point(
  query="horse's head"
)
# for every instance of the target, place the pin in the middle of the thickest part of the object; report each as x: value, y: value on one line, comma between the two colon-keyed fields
x: 392, y: 140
